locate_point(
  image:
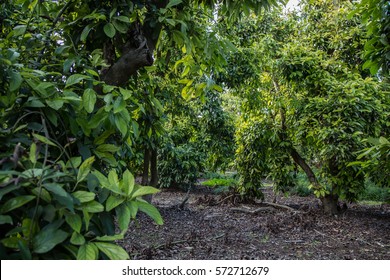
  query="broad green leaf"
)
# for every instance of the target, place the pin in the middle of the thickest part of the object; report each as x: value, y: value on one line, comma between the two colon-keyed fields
x: 107, y: 148
x: 85, y: 32
x: 74, y: 221
x: 89, y: 100
x: 42, y: 193
x: 123, y: 214
x: 73, y: 162
x: 109, y: 29
x: 48, y: 238
x: 128, y: 182
x: 93, y: 207
x: 113, y: 179
x: 84, y: 196
x: 112, y: 251
x: 144, y: 191
x: 16, y: 202
x: 133, y: 206
x: 101, y: 178
x: 125, y: 93
x: 75, y: 79
x: 113, y: 201
x: 110, y: 237
x: 5, y: 219
x: 33, y: 153
x: 8, y: 189
x: 56, y: 104
x: 121, y: 125
x: 44, y: 140
x: 151, y: 211
x: 61, y: 195
x: 19, y: 30
x: 88, y: 252
x: 12, y: 242
x: 173, y: 3
x: 15, y: 80
x: 85, y: 168
x: 123, y: 19
x: 77, y: 239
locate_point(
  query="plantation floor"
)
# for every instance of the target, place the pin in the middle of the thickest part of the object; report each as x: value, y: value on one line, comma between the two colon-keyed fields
x: 208, y: 229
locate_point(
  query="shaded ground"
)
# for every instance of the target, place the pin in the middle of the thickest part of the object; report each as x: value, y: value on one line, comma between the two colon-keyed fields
x: 207, y: 229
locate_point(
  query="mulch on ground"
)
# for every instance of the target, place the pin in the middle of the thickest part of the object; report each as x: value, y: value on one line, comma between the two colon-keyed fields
x: 209, y: 228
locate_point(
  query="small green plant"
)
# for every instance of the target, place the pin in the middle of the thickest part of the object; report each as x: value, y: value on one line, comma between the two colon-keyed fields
x: 372, y: 192
x: 230, y: 182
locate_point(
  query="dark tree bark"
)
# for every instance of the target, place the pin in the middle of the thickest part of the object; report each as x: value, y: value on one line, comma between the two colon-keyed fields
x: 145, y: 172
x: 153, y: 168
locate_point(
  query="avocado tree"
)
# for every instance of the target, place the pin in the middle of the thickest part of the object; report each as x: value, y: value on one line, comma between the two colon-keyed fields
x: 70, y: 117
x: 307, y: 102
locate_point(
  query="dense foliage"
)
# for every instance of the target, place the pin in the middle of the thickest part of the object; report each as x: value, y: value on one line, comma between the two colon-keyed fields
x: 77, y: 113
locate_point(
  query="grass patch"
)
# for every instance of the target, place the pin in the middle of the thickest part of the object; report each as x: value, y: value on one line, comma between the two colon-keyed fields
x: 374, y: 193
x: 217, y: 182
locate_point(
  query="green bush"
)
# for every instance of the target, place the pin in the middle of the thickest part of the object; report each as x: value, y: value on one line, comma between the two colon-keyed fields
x: 179, y: 166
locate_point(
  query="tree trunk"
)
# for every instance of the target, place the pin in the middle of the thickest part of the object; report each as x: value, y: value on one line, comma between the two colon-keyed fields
x: 305, y: 167
x: 153, y: 168
x: 330, y: 204
x: 145, y: 172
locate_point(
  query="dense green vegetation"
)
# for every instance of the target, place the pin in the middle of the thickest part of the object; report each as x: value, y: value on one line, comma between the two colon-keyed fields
x: 103, y: 102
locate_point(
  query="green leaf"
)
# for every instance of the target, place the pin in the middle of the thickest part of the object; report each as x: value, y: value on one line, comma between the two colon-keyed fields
x: 42, y: 193
x: 151, y: 211
x: 60, y: 195
x: 144, y: 191
x: 89, y: 100
x: 173, y: 3
x: 19, y: 30
x: 109, y: 29
x: 56, y: 104
x: 85, y: 168
x: 110, y: 237
x: 75, y: 79
x: 88, y: 252
x: 107, y: 148
x: 125, y: 93
x: 93, y: 207
x: 123, y: 19
x: 33, y: 153
x: 123, y: 214
x: 8, y: 189
x: 16, y: 202
x: 112, y: 251
x: 121, y: 124
x: 84, y: 196
x: 85, y: 32
x: 15, y: 80
x: 44, y: 140
x: 74, y: 221
x: 4, y: 219
x: 113, y: 201
x: 128, y: 182
x: 49, y: 237
x: 77, y: 239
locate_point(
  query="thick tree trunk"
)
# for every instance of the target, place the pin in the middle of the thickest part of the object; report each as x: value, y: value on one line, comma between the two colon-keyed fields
x: 153, y: 168
x: 330, y: 204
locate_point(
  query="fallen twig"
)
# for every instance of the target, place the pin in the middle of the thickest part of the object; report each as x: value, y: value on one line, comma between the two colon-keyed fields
x: 281, y: 206
x: 255, y: 211
x: 226, y: 198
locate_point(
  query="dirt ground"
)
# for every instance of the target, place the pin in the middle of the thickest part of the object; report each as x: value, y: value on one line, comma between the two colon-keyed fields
x: 209, y: 228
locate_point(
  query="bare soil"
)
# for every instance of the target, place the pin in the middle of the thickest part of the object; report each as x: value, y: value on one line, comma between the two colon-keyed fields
x: 209, y: 228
